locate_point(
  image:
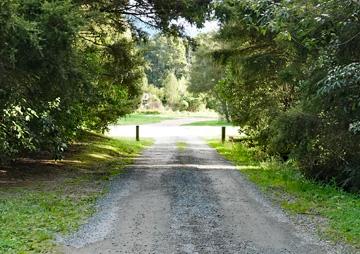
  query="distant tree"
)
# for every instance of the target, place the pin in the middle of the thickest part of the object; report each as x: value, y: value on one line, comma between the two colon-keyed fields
x: 171, y: 90
x: 205, y: 72
x: 165, y: 54
x: 207, y: 75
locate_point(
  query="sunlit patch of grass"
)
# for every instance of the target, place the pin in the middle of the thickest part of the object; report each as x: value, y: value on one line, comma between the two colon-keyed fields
x: 31, y: 215
x: 139, y: 118
x: 299, y: 195
x: 209, y: 123
x: 181, y: 145
x: 100, y: 156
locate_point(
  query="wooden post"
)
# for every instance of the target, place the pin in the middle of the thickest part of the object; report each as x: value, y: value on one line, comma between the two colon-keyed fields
x: 223, y: 134
x: 137, y: 133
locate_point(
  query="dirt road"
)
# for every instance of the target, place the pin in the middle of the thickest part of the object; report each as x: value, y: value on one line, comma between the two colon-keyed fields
x: 188, y: 201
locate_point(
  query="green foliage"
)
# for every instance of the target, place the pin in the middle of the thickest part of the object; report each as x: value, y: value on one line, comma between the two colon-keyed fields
x: 205, y: 73
x: 167, y: 73
x: 292, y: 81
x: 69, y: 65
x: 153, y: 90
x: 299, y: 195
x: 194, y: 102
x: 14, y: 131
x: 165, y: 54
x: 171, y: 90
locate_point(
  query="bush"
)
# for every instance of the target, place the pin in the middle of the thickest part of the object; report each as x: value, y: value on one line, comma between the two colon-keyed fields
x: 25, y: 130
x: 183, y: 105
x: 15, y: 133
x: 194, y: 103
x: 325, y: 150
x: 289, y: 133
x: 54, y: 81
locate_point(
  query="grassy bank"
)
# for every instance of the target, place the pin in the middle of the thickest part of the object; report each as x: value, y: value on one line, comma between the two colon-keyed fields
x: 40, y: 198
x: 298, y: 195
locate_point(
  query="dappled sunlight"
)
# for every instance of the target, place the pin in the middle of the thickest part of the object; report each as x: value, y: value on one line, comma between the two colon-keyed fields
x: 108, y: 147
x: 183, y: 166
x: 172, y: 147
x: 245, y: 167
x: 65, y: 161
x: 166, y: 131
x: 101, y: 156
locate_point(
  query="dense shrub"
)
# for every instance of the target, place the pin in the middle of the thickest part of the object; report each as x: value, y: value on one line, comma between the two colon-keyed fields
x: 322, y: 136
x: 292, y: 81
x: 290, y: 133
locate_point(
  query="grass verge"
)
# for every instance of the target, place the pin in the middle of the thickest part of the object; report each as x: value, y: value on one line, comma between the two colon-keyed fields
x: 157, y: 117
x: 209, y: 123
x: 40, y: 198
x: 141, y: 118
x: 298, y: 195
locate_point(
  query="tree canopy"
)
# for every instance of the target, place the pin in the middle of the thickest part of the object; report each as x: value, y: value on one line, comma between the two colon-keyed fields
x: 164, y: 55
x: 291, y: 80
x: 287, y: 72
x: 71, y: 64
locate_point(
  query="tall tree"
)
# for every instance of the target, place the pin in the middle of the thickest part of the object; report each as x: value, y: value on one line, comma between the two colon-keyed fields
x: 165, y: 54
x: 171, y: 90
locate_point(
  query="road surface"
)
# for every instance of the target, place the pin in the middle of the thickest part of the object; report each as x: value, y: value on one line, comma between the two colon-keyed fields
x: 187, y: 201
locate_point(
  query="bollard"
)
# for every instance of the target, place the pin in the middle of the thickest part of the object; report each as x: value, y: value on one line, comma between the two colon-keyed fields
x: 137, y: 133
x: 223, y: 134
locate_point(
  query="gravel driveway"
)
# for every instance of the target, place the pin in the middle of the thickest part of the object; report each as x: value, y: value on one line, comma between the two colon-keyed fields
x: 188, y: 201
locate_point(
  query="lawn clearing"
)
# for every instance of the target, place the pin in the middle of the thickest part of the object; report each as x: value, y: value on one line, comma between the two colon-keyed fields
x: 139, y: 119
x: 209, y: 123
x: 149, y: 118
x: 40, y: 198
x: 300, y: 196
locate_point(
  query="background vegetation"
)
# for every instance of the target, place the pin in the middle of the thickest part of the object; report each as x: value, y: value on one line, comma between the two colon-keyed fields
x: 167, y: 75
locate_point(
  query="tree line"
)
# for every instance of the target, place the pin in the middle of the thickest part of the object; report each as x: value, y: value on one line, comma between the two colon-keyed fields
x: 288, y: 72
x: 167, y: 69
x: 70, y: 65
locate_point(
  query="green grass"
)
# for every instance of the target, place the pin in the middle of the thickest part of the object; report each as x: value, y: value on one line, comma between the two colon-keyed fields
x: 298, y: 195
x: 142, y: 118
x: 181, y: 145
x: 156, y: 117
x: 186, y: 114
x: 34, y: 211
x: 209, y: 123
